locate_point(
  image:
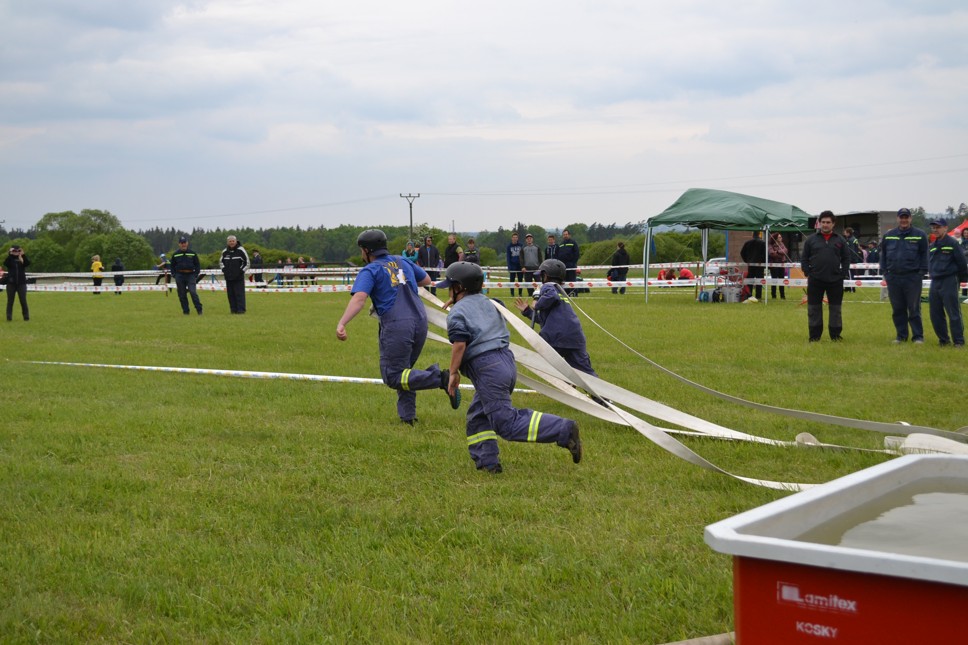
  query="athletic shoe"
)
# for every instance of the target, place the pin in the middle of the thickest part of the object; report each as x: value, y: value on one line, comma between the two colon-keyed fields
x: 410, y: 422
x: 836, y: 339
x: 814, y: 340
x: 919, y: 341
x: 444, y: 382
x: 574, y: 443
x: 494, y: 469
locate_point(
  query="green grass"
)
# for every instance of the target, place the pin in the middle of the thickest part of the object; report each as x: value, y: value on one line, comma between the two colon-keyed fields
x: 145, y: 507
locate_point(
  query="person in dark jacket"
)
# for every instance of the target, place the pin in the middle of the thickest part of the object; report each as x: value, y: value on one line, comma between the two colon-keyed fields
x: 904, y: 263
x: 620, y: 267
x: 257, y: 265
x: 186, y: 268
x: 117, y: 268
x: 428, y: 257
x: 948, y: 268
x: 16, y: 263
x: 472, y: 254
x: 754, y: 253
x: 513, y: 253
x: 551, y: 251
x: 825, y: 261
x: 234, y: 263
x: 964, y: 249
x: 856, y: 255
x: 569, y: 252
x: 452, y: 252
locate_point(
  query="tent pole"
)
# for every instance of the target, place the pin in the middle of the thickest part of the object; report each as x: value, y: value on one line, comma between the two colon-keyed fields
x: 645, y: 261
x: 766, y: 270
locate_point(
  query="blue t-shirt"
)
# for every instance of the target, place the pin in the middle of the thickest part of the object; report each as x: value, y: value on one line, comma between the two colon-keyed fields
x: 381, y: 278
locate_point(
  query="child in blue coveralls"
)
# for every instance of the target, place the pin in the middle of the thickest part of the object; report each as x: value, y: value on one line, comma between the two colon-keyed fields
x: 391, y: 283
x: 559, y: 323
x: 480, y: 351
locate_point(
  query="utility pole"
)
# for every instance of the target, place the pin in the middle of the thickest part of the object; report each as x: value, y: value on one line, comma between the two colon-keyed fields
x: 410, y: 197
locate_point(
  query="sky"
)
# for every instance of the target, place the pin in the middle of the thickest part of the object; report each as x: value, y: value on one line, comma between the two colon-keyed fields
x: 263, y: 113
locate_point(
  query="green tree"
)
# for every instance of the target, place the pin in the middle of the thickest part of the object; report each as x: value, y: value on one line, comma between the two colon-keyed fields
x: 47, y: 256
x: 89, y: 246
x: 133, y: 249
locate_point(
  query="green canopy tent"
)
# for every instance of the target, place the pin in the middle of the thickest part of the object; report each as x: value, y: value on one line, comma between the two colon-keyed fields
x: 705, y: 209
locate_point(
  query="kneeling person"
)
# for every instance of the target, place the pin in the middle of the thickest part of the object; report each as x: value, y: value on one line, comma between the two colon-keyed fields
x: 480, y: 351
x: 559, y: 324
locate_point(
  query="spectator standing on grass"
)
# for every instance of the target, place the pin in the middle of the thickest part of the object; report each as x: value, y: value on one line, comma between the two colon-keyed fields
x: 856, y: 255
x: 480, y: 351
x: 452, y: 252
x: 391, y: 283
x: 472, y: 254
x: 568, y: 253
x: 530, y: 261
x: 964, y: 249
x: 825, y: 261
x: 428, y: 257
x: 551, y: 251
x: 410, y: 253
x: 257, y: 265
x: 186, y: 267
x: 234, y: 262
x: 873, y: 256
x: 904, y: 263
x: 16, y: 264
x: 165, y: 267
x: 96, y: 268
x: 559, y: 323
x: 778, y: 255
x: 620, y: 267
x: 754, y: 255
x: 513, y: 253
x: 117, y: 269
x: 948, y: 268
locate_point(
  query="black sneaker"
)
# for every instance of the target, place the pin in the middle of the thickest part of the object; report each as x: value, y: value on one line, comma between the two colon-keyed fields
x: 494, y: 469
x: 444, y: 382
x: 410, y: 422
x: 574, y: 443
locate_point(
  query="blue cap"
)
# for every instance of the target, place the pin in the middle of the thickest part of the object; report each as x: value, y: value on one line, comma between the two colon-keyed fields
x: 939, y: 222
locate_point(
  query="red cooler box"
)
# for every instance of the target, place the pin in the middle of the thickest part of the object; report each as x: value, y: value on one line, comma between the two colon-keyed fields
x: 794, y: 581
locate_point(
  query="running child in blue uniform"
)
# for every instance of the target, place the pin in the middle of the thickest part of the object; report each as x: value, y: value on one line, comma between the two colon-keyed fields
x: 480, y: 351
x: 559, y: 324
x: 391, y: 282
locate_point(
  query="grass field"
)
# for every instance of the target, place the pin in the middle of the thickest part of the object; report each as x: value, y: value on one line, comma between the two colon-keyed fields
x: 147, y: 507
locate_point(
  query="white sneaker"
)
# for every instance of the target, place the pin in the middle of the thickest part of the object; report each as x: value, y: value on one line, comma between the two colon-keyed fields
x: 751, y: 299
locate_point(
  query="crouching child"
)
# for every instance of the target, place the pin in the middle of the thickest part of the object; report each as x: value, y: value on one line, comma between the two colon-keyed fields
x: 480, y: 351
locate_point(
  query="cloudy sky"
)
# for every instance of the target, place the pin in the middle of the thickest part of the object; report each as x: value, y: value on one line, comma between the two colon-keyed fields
x: 222, y: 113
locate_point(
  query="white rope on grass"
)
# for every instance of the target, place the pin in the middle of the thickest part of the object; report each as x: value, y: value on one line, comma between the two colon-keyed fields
x: 236, y: 373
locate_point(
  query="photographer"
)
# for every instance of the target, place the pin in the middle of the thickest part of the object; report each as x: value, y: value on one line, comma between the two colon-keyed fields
x: 17, y: 264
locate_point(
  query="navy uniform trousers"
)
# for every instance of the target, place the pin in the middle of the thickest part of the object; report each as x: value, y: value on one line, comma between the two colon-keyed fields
x: 905, y: 294
x: 491, y: 414
x: 942, y: 299
x: 403, y: 333
x: 186, y: 286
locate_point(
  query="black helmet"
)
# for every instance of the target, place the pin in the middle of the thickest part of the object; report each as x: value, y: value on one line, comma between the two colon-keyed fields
x: 466, y: 274
x: 554, y: 269
x: 372, y: 240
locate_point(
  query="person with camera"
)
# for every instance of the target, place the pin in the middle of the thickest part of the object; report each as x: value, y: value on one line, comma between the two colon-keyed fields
x: 16, y: 264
